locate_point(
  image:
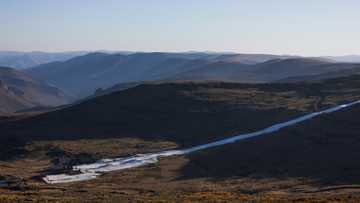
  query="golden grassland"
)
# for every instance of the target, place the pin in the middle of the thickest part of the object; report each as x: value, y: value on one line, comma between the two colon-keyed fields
x: 162, y: 182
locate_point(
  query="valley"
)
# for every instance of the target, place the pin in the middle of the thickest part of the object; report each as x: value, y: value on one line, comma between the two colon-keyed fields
x: 179, y: 101
x: 19, y: 91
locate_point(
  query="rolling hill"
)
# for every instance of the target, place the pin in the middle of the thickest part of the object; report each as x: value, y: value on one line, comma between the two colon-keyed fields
x: 309, y: 159
x: 269, y: 71
x: 321, y: 150
x: 351, y: 70
x: 82, y: 76
x: 199, y: 112
x: 19, y: 91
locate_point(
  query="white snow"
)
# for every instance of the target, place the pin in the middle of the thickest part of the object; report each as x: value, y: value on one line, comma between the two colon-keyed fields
x: 91, y: 171
x: 63, y: 178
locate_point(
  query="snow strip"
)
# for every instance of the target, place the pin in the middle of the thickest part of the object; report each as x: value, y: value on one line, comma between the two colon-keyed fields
x: 92, y: 171
x: 63, y: 178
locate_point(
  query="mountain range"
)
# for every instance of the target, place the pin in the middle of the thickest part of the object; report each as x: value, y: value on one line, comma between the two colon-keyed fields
x: 23, y: 60
x: 82, y: 76
x: 346, y: 58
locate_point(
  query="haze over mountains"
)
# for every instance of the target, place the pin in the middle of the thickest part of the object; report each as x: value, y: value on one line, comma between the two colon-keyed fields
x: 23, y: 60
x: 81, y: 76
x: 346, y: 58
x: 109, y: 72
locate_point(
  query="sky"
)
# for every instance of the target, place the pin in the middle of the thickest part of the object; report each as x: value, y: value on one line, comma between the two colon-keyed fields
x: 301, y: 27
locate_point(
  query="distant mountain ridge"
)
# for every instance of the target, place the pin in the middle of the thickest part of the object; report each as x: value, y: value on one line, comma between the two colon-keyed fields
x: 346, y: 58
x: 268, y: 71
x: 82, y: 76
x: 23, y: 60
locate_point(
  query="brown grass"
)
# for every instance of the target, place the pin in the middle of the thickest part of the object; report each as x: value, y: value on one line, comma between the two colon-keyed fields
x: 177, y: 115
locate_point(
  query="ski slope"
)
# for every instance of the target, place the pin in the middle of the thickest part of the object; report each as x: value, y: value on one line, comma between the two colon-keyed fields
x: 92, y: 171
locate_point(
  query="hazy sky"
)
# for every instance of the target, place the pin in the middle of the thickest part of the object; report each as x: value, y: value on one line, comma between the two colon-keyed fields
x: 306, y: 27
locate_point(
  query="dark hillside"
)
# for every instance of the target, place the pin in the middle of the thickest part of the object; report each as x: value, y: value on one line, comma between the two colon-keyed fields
x: 186, y: 113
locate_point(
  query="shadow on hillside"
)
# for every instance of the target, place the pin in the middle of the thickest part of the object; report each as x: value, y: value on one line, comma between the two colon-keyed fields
x: 325, y: 150
x: 184, y: 128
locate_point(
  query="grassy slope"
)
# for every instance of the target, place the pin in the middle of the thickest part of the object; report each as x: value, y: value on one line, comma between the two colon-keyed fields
x: 299, y: 163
